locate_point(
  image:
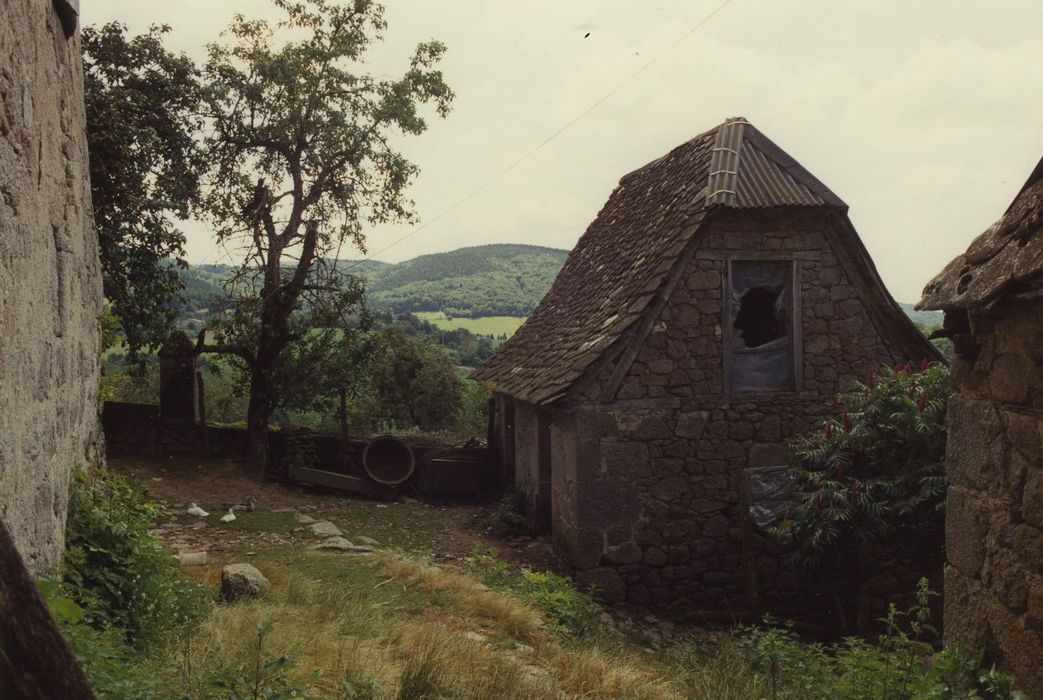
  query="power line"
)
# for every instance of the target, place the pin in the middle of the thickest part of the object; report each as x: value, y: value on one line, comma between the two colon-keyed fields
x: 560, y: 130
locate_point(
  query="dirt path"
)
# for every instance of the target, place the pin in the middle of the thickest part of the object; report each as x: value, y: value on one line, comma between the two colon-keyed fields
x: 284, y: 514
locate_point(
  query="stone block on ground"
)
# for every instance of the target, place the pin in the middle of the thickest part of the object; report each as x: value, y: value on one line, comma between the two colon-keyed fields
x: 192, y: 558
x: 325, y: 528
x: 340, y: 544
x: 243, y: 581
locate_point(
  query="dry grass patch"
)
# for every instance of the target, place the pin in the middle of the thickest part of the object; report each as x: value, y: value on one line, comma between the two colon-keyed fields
x: 605, y: 668
x: 438, y: 662
x: 506, y: 611
x: 403, y: 629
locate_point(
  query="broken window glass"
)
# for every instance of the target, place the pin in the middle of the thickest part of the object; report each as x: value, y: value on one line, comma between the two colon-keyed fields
x: 761, y: 345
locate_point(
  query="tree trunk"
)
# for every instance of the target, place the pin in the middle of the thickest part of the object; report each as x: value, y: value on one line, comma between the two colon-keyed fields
x: 862, y: 613
x: 343, y: 416
x: 35, y: 660
x: 258, y: 412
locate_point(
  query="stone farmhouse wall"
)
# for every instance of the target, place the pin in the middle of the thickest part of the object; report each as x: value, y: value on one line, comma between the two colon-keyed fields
x: 50, y: 290
x: 994, y: 527
x: 647, y: 488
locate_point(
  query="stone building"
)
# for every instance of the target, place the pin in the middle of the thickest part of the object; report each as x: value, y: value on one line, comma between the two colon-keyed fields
x: 713, y: 309
x: 50, y: 285
x: 992, y: 297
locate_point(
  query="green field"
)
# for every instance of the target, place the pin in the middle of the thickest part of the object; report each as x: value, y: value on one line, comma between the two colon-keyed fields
x: 486, y: 325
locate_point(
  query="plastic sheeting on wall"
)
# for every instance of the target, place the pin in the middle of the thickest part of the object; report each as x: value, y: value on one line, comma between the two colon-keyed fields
x: 769, y: 491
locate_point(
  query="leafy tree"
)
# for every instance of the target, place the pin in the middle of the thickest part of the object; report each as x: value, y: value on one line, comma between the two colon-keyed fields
x: 142, y: 105
x: 302, y: 162
x: 411, y: 382
x: 876, y: 470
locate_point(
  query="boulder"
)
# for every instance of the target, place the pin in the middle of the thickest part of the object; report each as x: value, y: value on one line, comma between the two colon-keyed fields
x: 243, y: 581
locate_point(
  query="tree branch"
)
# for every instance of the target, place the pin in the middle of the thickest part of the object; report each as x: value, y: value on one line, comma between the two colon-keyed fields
x: 222, y: 349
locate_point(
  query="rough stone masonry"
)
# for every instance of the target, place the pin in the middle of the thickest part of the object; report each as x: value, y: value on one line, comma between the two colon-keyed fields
x: 994, y: 511
x: 50, y: 284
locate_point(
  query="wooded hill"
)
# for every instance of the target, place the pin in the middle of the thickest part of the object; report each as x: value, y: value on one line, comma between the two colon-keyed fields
x: 489, y: 280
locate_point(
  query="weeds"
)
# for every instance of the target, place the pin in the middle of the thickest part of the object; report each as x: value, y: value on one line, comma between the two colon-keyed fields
x: 902, y: 665
x: 508, y: 517
x: 262, y: 679
x: 572, y: 612
x: 117, y: 571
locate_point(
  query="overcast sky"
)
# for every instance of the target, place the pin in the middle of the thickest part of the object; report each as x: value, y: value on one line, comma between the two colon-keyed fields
x: 924, y: 116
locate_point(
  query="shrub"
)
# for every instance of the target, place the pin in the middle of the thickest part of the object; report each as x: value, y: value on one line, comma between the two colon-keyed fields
x: 301, y: 453
x: 902, y: 665
x: 115, y: 670
x: 116, y: 570
x: 573, y: 612
x: 875, y: 469
x: 508, y: 517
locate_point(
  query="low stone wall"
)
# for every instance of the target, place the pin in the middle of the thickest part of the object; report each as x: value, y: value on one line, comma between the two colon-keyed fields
x: 994, y: 527
x: 137, y: 429
x: 132, y: 428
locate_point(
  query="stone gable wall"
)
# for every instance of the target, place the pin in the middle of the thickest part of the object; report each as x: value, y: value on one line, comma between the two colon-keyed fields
x: 994, y: 518
x: 660, y: 470
x: 50, y: 289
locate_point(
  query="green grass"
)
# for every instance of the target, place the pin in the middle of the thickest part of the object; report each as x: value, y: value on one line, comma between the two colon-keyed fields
x: 408, y: 527
x: 485, y: 325
x: 254, y: 521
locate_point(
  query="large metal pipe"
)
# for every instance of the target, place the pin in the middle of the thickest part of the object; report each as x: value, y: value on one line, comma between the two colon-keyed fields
x: 388, y: 460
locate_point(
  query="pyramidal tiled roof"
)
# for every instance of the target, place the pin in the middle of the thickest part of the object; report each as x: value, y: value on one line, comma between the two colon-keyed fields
x: 624, y: 257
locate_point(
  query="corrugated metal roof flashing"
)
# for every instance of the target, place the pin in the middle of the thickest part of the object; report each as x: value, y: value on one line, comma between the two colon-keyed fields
x: 726, y: 153
x: 748, y: 171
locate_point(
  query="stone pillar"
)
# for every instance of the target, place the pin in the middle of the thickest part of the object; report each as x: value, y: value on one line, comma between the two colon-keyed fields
x: 178, y: 398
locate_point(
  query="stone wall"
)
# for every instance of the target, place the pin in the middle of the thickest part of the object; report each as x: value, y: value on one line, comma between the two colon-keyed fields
x: 659, y: 512
x: 994, y: 521
x: 526, y: 459
x: 50, y: 291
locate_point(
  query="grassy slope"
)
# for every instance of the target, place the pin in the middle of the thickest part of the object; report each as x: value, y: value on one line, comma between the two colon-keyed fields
x: 409, y: 629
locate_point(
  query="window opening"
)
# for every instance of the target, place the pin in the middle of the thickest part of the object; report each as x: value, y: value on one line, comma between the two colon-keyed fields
x: 760, y: 320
